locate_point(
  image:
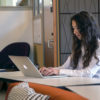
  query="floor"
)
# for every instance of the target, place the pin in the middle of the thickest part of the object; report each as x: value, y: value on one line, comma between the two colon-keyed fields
x: 3, y: 89
x: 2, y: 95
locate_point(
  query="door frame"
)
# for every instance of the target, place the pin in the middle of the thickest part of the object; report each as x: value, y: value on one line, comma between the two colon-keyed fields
x: 56, y: 32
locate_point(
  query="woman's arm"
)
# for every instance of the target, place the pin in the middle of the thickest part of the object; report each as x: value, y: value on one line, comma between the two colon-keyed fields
x: 55, y: 71
x: 66, y: 65
x: 90, y: 71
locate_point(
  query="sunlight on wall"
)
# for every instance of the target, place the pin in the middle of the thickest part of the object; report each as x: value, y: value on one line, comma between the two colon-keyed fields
x: 14, y: 2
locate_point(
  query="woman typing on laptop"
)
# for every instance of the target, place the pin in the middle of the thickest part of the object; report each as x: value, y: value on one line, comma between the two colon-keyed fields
x: 85, y: 58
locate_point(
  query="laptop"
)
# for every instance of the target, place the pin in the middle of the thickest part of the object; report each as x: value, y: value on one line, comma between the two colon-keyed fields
x: 25, y: 65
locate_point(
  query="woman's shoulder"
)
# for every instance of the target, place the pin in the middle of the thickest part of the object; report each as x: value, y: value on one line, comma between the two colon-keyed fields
x: 98, y: 40
x: 98, y: 50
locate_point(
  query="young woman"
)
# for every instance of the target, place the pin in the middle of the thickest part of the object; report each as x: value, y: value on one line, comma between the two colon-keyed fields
x: 85, y: 58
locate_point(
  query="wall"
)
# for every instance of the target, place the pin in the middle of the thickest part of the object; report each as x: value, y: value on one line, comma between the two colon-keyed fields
x: 16, y: 26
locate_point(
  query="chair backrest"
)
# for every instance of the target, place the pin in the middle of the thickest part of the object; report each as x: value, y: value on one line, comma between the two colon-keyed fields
x: 16, y: 49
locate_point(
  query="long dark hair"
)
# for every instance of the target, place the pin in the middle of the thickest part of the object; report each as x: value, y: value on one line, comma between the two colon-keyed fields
x: 90, y: 34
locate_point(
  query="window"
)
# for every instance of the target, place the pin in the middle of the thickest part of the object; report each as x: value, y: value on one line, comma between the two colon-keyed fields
x: 14, y: 2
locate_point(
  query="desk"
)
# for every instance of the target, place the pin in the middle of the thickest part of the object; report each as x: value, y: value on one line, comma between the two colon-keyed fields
x: 65, y: 81
x: 90, y: 92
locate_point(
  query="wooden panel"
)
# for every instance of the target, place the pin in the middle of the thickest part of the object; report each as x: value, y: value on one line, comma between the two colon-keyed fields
x: 56, y: 32
x: 38, y: 54
x: 67, y: 9
x: 69, y: 6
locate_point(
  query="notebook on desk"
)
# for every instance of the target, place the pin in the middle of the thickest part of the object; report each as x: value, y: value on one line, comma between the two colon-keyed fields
x: 2, y: 70
x: 25, y: 65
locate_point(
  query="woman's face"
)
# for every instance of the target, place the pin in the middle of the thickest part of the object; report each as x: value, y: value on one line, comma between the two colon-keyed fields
x: 76, y: 30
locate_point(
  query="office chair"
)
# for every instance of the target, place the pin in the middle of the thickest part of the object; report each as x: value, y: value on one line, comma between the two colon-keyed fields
x: 15, y: 49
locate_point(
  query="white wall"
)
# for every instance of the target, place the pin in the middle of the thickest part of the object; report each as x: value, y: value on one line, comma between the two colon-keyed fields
x: 16, y: 26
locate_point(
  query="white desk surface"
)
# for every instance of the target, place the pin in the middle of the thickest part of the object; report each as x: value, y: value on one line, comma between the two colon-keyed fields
x: 65, y: 81
x: 90, y: 92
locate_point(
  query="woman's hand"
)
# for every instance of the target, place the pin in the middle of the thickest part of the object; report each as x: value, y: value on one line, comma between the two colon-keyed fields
x: 43, y: 70
x: 48, y: 71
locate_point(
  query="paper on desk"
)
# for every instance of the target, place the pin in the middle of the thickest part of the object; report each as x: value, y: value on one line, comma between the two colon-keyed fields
x: 2, y: 70
x: 14, y: 73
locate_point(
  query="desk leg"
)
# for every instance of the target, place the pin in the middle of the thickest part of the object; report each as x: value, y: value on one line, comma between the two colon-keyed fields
x: 1, y: 85
x: 64, y: 88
